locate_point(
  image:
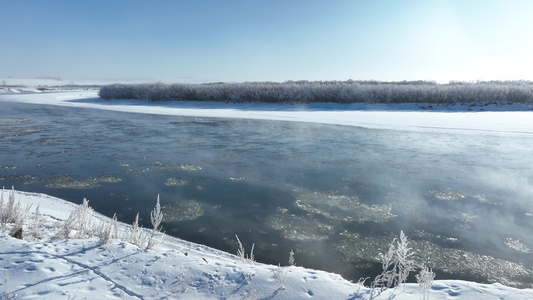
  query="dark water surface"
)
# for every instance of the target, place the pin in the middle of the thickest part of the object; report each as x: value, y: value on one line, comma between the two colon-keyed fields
x: 337, y: 195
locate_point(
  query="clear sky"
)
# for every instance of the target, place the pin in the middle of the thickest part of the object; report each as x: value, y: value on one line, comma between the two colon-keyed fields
x: 274, y: 40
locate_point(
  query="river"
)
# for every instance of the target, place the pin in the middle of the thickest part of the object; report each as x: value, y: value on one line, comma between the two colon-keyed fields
x: 336, y: 195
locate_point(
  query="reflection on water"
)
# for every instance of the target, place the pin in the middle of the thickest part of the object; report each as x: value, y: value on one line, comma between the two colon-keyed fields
x: 336, y: 195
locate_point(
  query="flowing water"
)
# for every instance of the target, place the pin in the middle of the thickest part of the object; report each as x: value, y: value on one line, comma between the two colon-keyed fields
x: 336, y: 195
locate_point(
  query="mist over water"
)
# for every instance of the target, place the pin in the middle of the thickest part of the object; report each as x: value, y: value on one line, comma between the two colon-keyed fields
x: 337, y: 195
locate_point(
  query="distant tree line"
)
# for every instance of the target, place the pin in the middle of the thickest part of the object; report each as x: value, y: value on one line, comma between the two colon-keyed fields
x: 350, y: 91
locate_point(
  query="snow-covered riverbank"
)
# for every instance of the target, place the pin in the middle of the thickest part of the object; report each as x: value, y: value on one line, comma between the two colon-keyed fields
x: 495, y: 119
x: 57, y: 268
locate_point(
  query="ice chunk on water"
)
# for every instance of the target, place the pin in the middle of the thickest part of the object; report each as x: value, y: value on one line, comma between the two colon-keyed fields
x: 188, y: 167
x: 343, y: 207
x: 464, y: 220
x: 8, y: 167
x: 516, y: 244
x: 325, y: 212
x: 9, y: 121
x: 182, y: 211
x: 174, y: 181
x: 300, y: 228
x: 89, y: 183
x: 447, y: 195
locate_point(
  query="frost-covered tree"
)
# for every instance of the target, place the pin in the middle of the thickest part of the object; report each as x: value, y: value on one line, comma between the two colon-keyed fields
x: 329, y: 91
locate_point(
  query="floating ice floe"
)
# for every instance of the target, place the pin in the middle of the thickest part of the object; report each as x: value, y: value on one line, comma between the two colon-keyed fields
x: 343, y: 208
x: 88, y: 183
x: 182, y: 211
x: 174, y: 181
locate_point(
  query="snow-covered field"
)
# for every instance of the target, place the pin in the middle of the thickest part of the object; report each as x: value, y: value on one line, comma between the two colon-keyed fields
x: 19, y: 84
x: 56, y: 268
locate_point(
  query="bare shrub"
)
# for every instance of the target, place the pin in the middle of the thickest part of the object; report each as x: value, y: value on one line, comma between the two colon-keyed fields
x: 35, y: 223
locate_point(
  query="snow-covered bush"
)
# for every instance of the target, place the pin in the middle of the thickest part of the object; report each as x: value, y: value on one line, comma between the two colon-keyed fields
x: 397, y: 265
x: 107, y: 231
x: 243, y: 258
x: 79, y: 224
x: 12, y: 211
x: 115, y: 228
x: 425, y: 279
x: 137, y: 234
x: 104, y: 233
x: 291, y: 258
x: 35, y: 223
x: 13, y: 214
x: 140, y: 236
x: 156, y: 216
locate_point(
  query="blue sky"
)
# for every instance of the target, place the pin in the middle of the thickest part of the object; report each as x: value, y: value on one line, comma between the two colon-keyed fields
x: 234, y: 41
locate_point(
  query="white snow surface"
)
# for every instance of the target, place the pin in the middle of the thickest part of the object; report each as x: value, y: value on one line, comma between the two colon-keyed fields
x: 17, y: 83
x: 56, y: 268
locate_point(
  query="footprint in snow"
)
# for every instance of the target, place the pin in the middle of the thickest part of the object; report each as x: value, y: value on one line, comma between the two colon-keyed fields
x: 30, y: 268
x: 452, y: 290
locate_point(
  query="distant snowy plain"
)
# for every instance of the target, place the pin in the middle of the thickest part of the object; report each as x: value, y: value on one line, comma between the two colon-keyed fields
x: 55, y: 268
